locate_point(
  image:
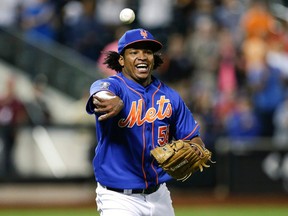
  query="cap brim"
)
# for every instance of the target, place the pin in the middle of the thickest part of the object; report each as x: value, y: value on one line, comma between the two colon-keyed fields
x: 153, y: 45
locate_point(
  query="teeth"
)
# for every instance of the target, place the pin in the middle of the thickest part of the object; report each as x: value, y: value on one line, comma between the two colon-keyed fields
x: 141, y: 65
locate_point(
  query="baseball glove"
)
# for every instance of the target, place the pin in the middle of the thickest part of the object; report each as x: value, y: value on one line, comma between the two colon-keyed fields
x: 181, y: 158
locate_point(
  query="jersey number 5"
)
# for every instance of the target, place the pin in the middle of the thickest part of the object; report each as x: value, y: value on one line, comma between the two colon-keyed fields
x: 163, y: 135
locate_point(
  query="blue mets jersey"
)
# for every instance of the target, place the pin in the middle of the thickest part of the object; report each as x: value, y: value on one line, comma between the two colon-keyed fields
x: 152, y: 116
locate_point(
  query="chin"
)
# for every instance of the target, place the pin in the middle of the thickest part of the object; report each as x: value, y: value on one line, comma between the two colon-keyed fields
x: 143, y: 77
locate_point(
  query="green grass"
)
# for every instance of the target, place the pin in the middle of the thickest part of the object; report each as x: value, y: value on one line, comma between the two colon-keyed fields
x: 203, y: 211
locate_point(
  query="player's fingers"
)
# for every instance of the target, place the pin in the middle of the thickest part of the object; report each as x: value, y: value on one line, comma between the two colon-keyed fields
x: 98, y: 110
x: 102, y: 109
x: 98, y: 101
x: 104, y: 116
x: 98, y: 98
x: 102, y: 106
x: 109, y: 113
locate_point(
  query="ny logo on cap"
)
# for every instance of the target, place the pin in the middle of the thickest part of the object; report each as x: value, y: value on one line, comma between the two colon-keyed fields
x: 143, y: 33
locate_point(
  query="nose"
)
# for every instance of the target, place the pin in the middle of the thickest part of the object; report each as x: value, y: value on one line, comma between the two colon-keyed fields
x: 142, y: 55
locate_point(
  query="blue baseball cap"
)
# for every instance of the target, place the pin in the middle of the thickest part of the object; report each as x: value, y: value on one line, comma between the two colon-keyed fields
x: 136, y: 36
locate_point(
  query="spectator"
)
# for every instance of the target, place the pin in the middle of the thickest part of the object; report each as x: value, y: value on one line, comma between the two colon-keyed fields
x: 107, y: 12
x: 227, y: 78
x: 257, y: 21
x: 228, y: 16
x: 242, y: 123
x: 37, y: 109
x: 203, y: 9
x: 9, y: 10
x: 88, y: 36
x: 277, y: 55
x: 201, y: 47
x: 202, y: 103
x: 37, y: 21
x: 12, y: 116
x: 68, y: 14
x: 268, y: 92
x: 280, y: 120
x: 181, y: 10
x: 112, y: 46
x: 176, y: 60
x: 157, y: 16
x: 223, y: 106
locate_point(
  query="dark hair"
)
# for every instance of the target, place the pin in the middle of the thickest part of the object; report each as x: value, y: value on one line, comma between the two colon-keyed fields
x: 112, y: 57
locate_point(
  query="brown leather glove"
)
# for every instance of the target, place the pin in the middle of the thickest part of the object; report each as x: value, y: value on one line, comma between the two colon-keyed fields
x: 181, y: 158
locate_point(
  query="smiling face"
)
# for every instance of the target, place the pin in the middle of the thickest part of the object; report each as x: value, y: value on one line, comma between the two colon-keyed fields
x: 137, y: 63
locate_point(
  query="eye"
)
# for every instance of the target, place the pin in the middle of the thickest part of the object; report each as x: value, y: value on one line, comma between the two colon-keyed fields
x: 149, y: 52
x: 133, y: 52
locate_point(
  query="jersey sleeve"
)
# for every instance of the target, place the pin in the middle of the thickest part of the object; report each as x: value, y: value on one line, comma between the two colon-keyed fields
x: 100, y: 85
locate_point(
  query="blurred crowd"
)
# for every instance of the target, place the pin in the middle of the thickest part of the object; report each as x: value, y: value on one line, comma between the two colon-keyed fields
x: 227, y: 58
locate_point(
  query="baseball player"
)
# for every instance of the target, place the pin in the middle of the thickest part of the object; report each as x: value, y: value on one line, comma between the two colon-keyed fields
x: 135, y: 112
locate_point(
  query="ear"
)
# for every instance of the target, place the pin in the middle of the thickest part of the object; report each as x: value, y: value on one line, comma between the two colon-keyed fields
x: 121, y: 61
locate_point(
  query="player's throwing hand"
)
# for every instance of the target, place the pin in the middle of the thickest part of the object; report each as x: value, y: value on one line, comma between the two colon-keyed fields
x: 108, y: 104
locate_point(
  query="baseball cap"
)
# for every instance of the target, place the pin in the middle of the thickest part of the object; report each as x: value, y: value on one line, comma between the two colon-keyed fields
x: 136, y: 36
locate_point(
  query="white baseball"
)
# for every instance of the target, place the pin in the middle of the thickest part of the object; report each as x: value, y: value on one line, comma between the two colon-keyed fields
x: 105, y: 95
x: 127, y: 16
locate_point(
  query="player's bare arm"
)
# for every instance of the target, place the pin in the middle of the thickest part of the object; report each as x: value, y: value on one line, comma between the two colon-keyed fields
x: 107, y: 103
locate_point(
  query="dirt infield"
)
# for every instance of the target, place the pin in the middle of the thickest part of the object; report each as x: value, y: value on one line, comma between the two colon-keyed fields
x: 189, y: 198
x: 83, y: 195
